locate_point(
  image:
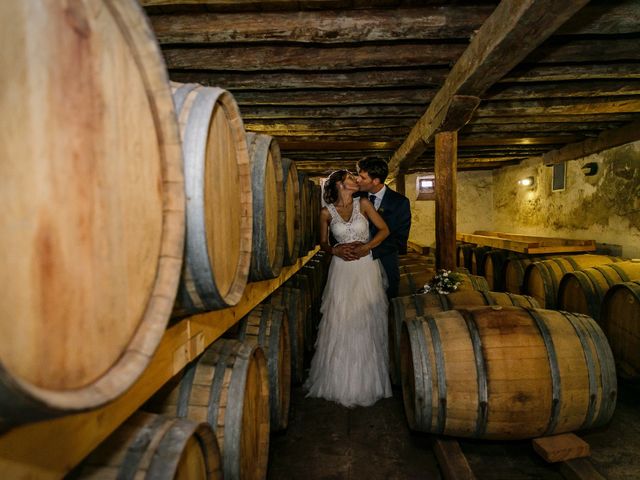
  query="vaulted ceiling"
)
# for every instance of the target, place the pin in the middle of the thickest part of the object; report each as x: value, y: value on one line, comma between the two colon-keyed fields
x: 336, y: 80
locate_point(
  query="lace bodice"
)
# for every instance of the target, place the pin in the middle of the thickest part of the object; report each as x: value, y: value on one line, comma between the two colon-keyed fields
x: 355, y: 230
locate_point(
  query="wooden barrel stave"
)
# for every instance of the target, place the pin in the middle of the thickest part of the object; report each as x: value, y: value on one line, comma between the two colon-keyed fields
x: 219, y: 200
x: 150, y: 446
x: 463, y: 257
x: 514, y: 272
x: 292, y: 299
x: 478, y: 253
x: 418, y: 305
x: 620, y: 320
x: 292, y: 211
x: 304, y: 284
x: 542, y: 278
x: 582, y: 291
x: 267, y: 248
x: 267, y: 326
x: 494, y: 268
x: 228, y: 387
x: 105, y: 204
x: 574, y: 386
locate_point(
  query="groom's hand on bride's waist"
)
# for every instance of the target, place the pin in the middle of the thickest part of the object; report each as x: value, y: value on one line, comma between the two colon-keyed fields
x: 361, y: 250
x: 347, y: 251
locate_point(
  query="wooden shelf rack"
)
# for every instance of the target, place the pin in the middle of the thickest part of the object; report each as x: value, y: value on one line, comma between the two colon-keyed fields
x: 50, y: 449
x: 527, y: 243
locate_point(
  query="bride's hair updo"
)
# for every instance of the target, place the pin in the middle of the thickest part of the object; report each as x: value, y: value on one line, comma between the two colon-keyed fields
x: 330, y: 189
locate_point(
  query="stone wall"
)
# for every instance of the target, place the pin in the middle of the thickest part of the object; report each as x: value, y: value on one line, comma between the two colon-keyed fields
x: 474, y: 210
x: 604, y: 207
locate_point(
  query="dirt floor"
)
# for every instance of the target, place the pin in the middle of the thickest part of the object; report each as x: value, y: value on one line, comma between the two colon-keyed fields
x: 325, y: 441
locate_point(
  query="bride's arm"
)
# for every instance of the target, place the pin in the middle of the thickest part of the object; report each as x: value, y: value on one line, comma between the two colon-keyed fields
x: 374, y: 217
x: 325, y: 221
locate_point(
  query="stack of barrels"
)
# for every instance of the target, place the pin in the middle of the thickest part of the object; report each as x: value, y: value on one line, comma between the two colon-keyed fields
x: 151, y: 201
x: 465, y: 359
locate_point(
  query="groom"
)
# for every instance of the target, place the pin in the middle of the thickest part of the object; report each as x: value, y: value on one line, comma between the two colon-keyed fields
x: 394, y: 208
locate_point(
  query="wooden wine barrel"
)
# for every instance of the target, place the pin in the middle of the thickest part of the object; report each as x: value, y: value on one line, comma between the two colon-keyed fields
x: 417, y: 268
x: 541, y: 279
x: 582, y: 291
x: 506, y: 373
x: 93, y: 225
x: 292, y: 299
x: 305, y: 210
x: 412, y: 282
x: 316, y: 206
x: 292, y: 211
x: 304, y: 283
x: 155, y: 447
x: 514, y: 269
x: 267, y: 326
x: 228, y: 387
x: 219, y: 203
x: 494, y: 268
x: 620, y: 320
x: 477, y: 259
x: 416, y: 259
x: 418, y: 305
x: 463, y: 255
x: 267, y: 247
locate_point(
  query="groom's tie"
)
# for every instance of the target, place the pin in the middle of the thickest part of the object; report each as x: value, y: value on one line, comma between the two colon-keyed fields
x: 372, y: 199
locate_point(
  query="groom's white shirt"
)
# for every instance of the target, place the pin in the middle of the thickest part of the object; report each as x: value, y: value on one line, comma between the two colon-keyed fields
x: 379, y: 197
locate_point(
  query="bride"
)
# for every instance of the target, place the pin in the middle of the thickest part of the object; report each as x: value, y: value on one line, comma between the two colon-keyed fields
x: 350, y: 365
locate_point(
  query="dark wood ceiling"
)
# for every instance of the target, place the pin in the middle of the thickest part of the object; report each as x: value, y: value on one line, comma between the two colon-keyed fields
x: 337, y: 80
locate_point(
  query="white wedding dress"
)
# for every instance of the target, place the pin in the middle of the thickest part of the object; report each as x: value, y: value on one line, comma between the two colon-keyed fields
x: 350, y: 365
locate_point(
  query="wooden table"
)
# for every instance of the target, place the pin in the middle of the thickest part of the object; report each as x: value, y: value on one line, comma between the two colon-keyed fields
x: 528, y: 244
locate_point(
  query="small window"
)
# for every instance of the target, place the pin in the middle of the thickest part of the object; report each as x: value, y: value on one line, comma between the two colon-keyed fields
x: 559, y: 177
x: 426, y: 187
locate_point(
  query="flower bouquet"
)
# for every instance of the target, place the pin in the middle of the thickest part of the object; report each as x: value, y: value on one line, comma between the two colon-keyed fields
x: 444, y: 282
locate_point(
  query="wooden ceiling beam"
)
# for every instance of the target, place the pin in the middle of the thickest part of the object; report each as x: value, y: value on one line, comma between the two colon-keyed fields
x: 538, y: 127
x: 571, y: 50
x: 327, y: 124
x: 329, y: 26
x: 569, y: 89
x: 236, y: 81
x: 512, y: 32
x: 379, y: 133
x: 604, y: 18
x: 427, y: 77
x: 566, y: 106
x: 561, y: 73
x: 335, y: 97
x: 260, y: 112
x: 297, y: 144
x: 267, y: 5
x: 278, y: 57
x: 606, y: 140
x: 555, y: 119
x: 400, y: 55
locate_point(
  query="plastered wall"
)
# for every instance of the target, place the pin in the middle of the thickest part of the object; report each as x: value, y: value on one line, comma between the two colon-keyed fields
x: 474, y: 206
x: 604, y: 207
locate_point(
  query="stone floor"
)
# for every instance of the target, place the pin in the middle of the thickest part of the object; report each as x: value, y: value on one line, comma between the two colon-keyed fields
x: 325, y: 441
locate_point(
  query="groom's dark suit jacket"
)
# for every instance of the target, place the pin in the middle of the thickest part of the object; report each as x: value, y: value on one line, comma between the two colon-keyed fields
x: 396, y: 212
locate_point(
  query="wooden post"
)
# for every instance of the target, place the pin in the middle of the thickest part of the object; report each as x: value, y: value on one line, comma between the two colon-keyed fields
x: 446, y: 184
x: 400, y: 184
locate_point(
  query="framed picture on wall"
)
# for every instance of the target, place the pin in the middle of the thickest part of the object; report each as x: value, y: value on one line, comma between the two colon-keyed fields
x: 559, y: 177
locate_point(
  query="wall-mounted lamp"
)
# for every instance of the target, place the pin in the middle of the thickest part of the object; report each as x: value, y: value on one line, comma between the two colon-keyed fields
x: 526, y: 182
x: 590, y: 169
